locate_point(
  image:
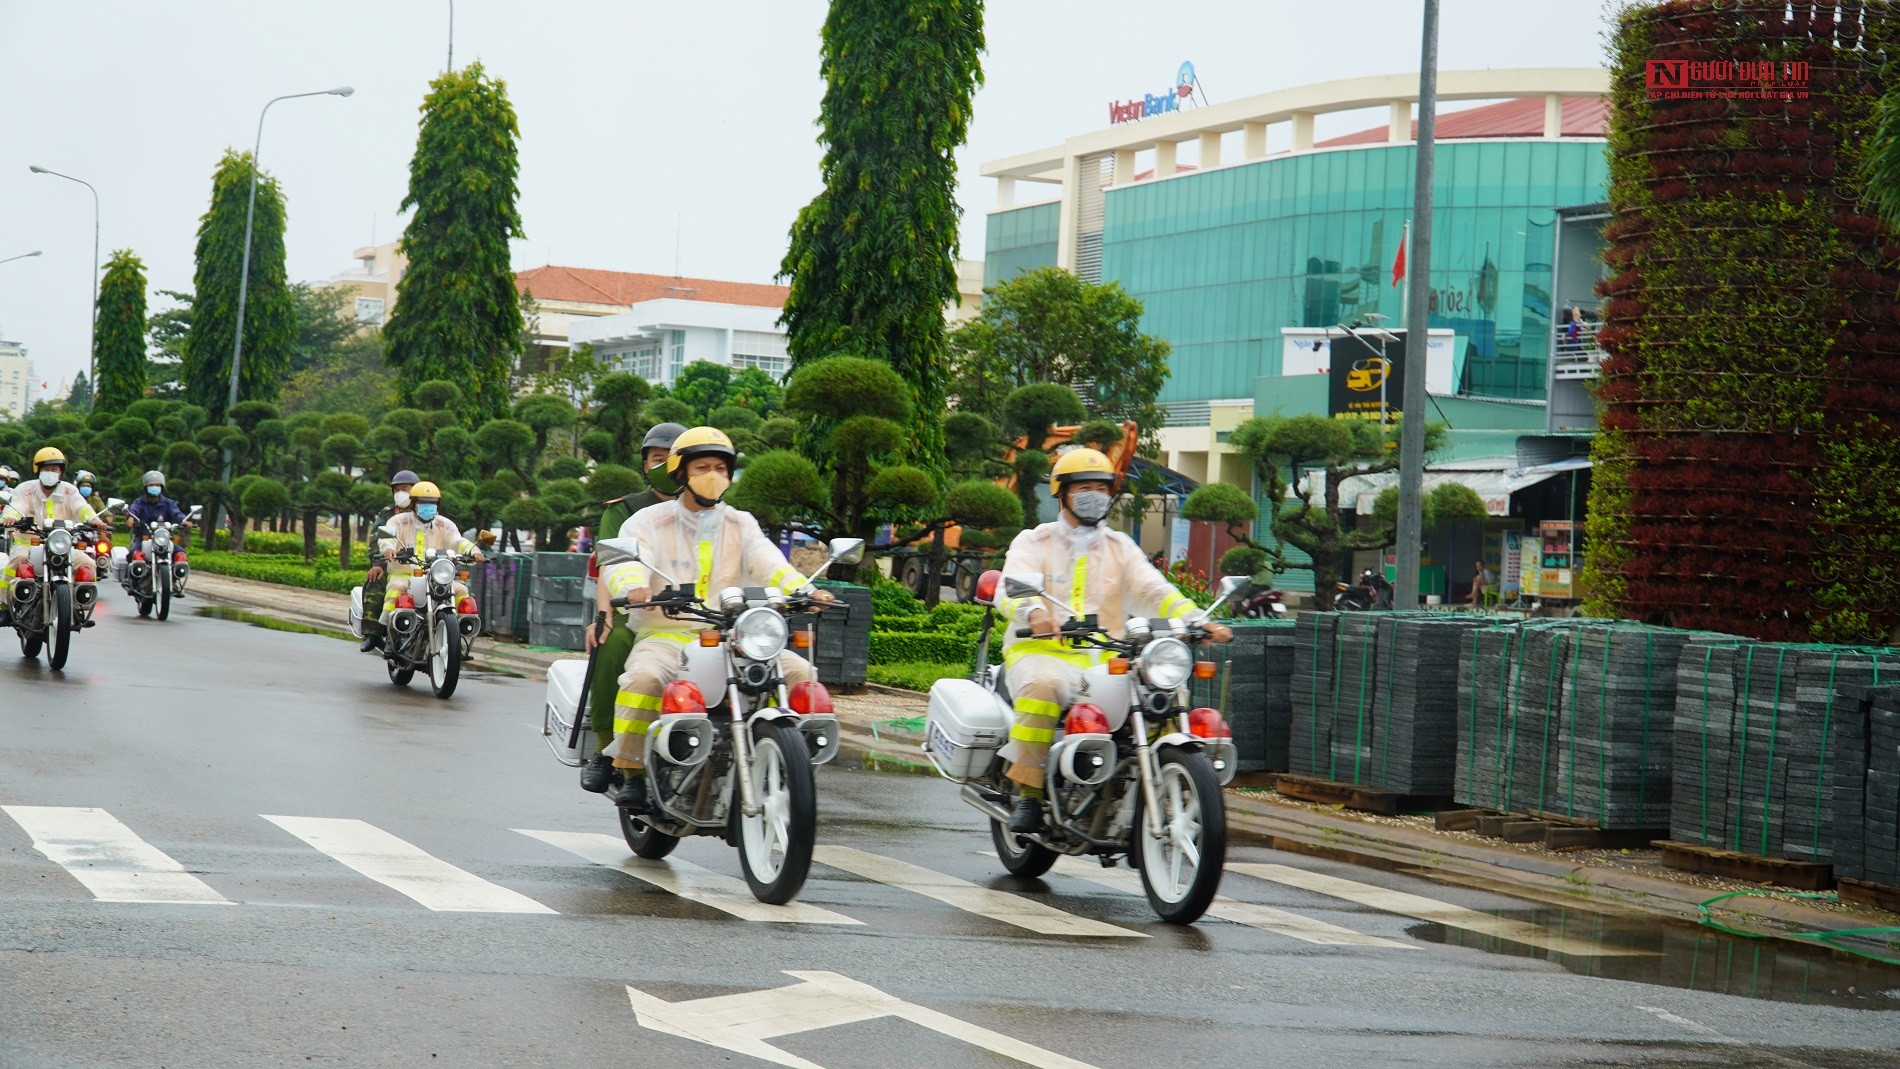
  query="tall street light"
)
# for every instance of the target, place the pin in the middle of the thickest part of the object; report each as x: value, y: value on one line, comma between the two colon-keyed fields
x: 451, y: 65
x: 22, y: 256
x: 1411, y: 532
x: 92, y: 334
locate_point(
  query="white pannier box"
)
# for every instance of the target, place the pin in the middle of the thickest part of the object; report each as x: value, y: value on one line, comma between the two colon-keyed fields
x: 967, y: 724
x: 558, y: 710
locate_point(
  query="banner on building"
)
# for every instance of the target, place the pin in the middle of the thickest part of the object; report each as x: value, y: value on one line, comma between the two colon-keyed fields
x: 1367, y: 377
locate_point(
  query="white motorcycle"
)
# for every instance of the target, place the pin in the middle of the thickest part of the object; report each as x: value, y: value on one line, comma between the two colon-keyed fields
x: 729, y: 709
x: 53, y: 594
x: 153, y: 578
x: 1132, y: 771
x: 431, y: 629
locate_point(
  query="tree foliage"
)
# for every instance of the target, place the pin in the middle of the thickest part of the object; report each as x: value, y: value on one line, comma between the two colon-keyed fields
x: 269, y: 312
x: 1048, y: 326
x: 458, y: 316
x: 119, y: 341
x: 872, y: 259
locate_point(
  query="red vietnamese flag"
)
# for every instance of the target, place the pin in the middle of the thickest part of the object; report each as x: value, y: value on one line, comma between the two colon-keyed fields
x: 1398, y: 262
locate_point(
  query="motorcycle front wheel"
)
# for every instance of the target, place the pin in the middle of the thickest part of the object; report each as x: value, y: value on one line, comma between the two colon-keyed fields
x: 775, y: 846
x: 641, y: 837
x: 60, y: 642
x: 1019, y: 856
x: 1182, y: 869
x: 163, y: 596
x: 445, y: 663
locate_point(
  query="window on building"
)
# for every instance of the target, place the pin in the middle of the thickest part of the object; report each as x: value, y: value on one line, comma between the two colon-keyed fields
x: 369, y: 310
x: 762, y: 349
x: 678, y: 362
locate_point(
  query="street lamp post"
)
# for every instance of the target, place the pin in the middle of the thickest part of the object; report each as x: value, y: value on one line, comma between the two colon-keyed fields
x: 92, y: 333
x: 22, y: 256
x: 451, y: 65
x: 1411, y: 532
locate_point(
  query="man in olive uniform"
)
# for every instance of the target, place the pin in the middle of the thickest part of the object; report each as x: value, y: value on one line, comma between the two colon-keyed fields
x: 376, y: 580
x: 598, y: 774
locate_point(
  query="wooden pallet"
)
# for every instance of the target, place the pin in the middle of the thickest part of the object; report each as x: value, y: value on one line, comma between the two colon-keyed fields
x: 1877, y: 895
x: 1354, y: 796
x: 1713, y: 861
x: 1554, y: 831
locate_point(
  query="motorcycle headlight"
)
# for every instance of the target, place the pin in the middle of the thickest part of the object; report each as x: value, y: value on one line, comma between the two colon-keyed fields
x: 161, y: 537
x: 60, y: 542
x: 760, y: 634
x: 441, y: 571
x: 1166, y: 663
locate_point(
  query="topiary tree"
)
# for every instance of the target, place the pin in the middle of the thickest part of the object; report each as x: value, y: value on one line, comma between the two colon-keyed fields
x: 669, y: 410
x: 119, y: 337
x: 615, y: 413
x: 270, y: 325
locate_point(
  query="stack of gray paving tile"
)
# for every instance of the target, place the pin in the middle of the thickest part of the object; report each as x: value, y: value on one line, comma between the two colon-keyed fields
x: 1864, y: 774
x: 1756, y: 767
x: 1355, y: 695
x: 1310, y: 693
x: 1282, y: 650
x: 1412, y: 742
x: 841, y: 644
x: 1252, y: 695
x: 1486, y: 724
x: 561, y: 601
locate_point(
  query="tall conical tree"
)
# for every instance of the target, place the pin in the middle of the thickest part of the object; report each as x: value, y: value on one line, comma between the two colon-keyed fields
x: 872, y: 259
x: 270, y: 321
x: 119, y: 351
x: 457, y: 314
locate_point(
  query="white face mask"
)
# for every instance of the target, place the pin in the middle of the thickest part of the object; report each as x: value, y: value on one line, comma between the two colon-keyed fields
x: 49, y: 479
x: 402, y: 499
x: 1090, y: 506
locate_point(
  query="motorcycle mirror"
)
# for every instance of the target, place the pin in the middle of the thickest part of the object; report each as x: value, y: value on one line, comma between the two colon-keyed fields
x: 383, y: 532
x: 1022, y: 585
x: 196, y: 511
x: 1233, y: 588
x: 847, y: 550
x: 114, y: 504
x: 611, y: 551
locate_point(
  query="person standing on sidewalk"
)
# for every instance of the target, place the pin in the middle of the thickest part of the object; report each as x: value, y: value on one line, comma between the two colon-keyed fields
x: 598, y: 774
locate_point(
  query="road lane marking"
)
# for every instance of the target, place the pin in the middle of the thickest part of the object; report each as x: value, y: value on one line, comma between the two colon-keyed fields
x: 742, y: 1023
x: 405, y: 868
x: 964, y: 895
x: 1253, y: 915
x: 1716, y: 1037
x: 684, y: 879
x: 1430, y: 909
x: 109, y: 858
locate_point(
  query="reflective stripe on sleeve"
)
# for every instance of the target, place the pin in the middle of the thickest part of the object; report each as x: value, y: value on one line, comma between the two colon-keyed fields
x: 626, y: 577
x: 786, y: 578
x: 1048, y: 647
x: 1176, y: 605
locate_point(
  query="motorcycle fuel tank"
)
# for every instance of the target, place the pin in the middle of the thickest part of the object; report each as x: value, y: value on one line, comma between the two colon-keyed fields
x: 1112, y: 693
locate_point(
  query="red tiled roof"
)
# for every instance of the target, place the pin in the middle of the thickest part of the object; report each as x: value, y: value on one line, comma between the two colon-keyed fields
x: 588, y: 285
x: 1582, y: 117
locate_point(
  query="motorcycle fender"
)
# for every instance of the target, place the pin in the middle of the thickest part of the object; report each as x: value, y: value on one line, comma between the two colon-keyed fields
x: 1181, y: 740
x: 1220, y: 752
x: 770, y: 713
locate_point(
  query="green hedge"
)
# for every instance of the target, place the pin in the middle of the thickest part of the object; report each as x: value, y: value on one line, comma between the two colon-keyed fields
x: 323, y: 575
x: 915, y: 676
x: 272, y: 544
x: 928, y: 647
x: 904, y: 624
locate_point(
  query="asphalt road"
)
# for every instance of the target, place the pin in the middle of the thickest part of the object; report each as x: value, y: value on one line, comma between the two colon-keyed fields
x: 259, y: 778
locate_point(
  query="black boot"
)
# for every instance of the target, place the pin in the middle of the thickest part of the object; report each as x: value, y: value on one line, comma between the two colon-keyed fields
x: 1026, y: 817
x: 632, y: 795
x: 598, y: 775
x: 372, y: 640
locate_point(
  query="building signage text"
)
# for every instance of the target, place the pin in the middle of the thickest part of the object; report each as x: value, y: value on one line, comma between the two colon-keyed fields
x: 1153, y: 104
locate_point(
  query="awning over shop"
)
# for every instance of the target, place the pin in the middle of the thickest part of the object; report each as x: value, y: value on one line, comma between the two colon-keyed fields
x: 1173, y: 483
x: 1494, y: 479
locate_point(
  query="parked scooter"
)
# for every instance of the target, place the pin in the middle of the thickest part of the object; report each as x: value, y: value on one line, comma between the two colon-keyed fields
x: 730, y: 709
x: 431, y: 629
x: 1119, y: 782
x: 1373, y: 592
x: 153, y: 577
x: 1267, y: 604
x: 53, y: 593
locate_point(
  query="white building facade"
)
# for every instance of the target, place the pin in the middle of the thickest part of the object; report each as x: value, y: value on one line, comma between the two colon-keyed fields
x: 16, y: 380
x: 657, y: 339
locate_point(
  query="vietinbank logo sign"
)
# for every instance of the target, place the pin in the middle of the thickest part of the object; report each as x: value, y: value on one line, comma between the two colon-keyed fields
x: 1154, y: 104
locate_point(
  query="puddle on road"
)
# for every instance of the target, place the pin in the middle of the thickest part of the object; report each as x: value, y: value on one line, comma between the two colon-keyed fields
x: 1695, y: 958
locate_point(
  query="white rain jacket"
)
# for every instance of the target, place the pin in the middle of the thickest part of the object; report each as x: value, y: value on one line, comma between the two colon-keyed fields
x: 1087, y: 570
x: 712, y: 549
x: 62, y: 502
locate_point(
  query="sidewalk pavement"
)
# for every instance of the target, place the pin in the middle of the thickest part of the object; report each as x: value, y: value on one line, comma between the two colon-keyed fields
x: 883, y: 726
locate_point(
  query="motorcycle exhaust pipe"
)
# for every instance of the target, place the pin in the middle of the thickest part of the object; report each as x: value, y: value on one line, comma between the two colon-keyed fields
x: 683, y: 741
x: 984, y: 805
x: 1085, y: 759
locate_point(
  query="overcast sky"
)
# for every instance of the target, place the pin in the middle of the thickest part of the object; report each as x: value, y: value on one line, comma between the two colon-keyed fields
x: 641, y: 121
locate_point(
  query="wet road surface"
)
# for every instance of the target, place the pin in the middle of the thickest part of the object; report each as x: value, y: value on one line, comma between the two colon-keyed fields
x: 230, y: 846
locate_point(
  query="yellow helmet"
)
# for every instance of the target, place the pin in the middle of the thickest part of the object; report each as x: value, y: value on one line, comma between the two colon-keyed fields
x: 1080, y: 465
x: 48, y: 455
x: 699, y: 442
x: 425, y: 491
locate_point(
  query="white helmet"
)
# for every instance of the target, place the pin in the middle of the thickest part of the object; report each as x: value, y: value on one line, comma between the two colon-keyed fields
x: 151, y: 478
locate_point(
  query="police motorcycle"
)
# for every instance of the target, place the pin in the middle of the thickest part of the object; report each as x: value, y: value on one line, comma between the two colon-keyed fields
x: 1132, y: 773
x: 431, y: 630
x: 53, y: 594
x: 730, y: 709
x: 153, y: 579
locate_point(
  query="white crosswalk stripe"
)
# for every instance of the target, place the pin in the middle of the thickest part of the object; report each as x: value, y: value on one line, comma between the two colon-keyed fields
x: 405, y: 868
x: 685, y: 879
x: 109, y: 858
x: 1253, y: 915
x: 983, y: 901
x: 1430, y: 909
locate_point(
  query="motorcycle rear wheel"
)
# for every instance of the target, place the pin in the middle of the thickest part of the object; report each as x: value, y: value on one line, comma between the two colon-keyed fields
x: 60, y: 642
x: 398, y: 675
x: 1022, y: 858
x: 643, y: 839
x: 775, y: 847
x: 144, y: 604
x: 1194, y: 816
x: 30, y: 643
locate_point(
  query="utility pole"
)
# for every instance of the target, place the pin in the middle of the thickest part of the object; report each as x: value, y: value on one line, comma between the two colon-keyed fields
x: 1411, y: 533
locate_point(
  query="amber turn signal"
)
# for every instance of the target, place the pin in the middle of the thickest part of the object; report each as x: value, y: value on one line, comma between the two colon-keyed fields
x: 801, y: 640
x: 1203, y: 669
x: 709, y: 638
x: 1118, y: 666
